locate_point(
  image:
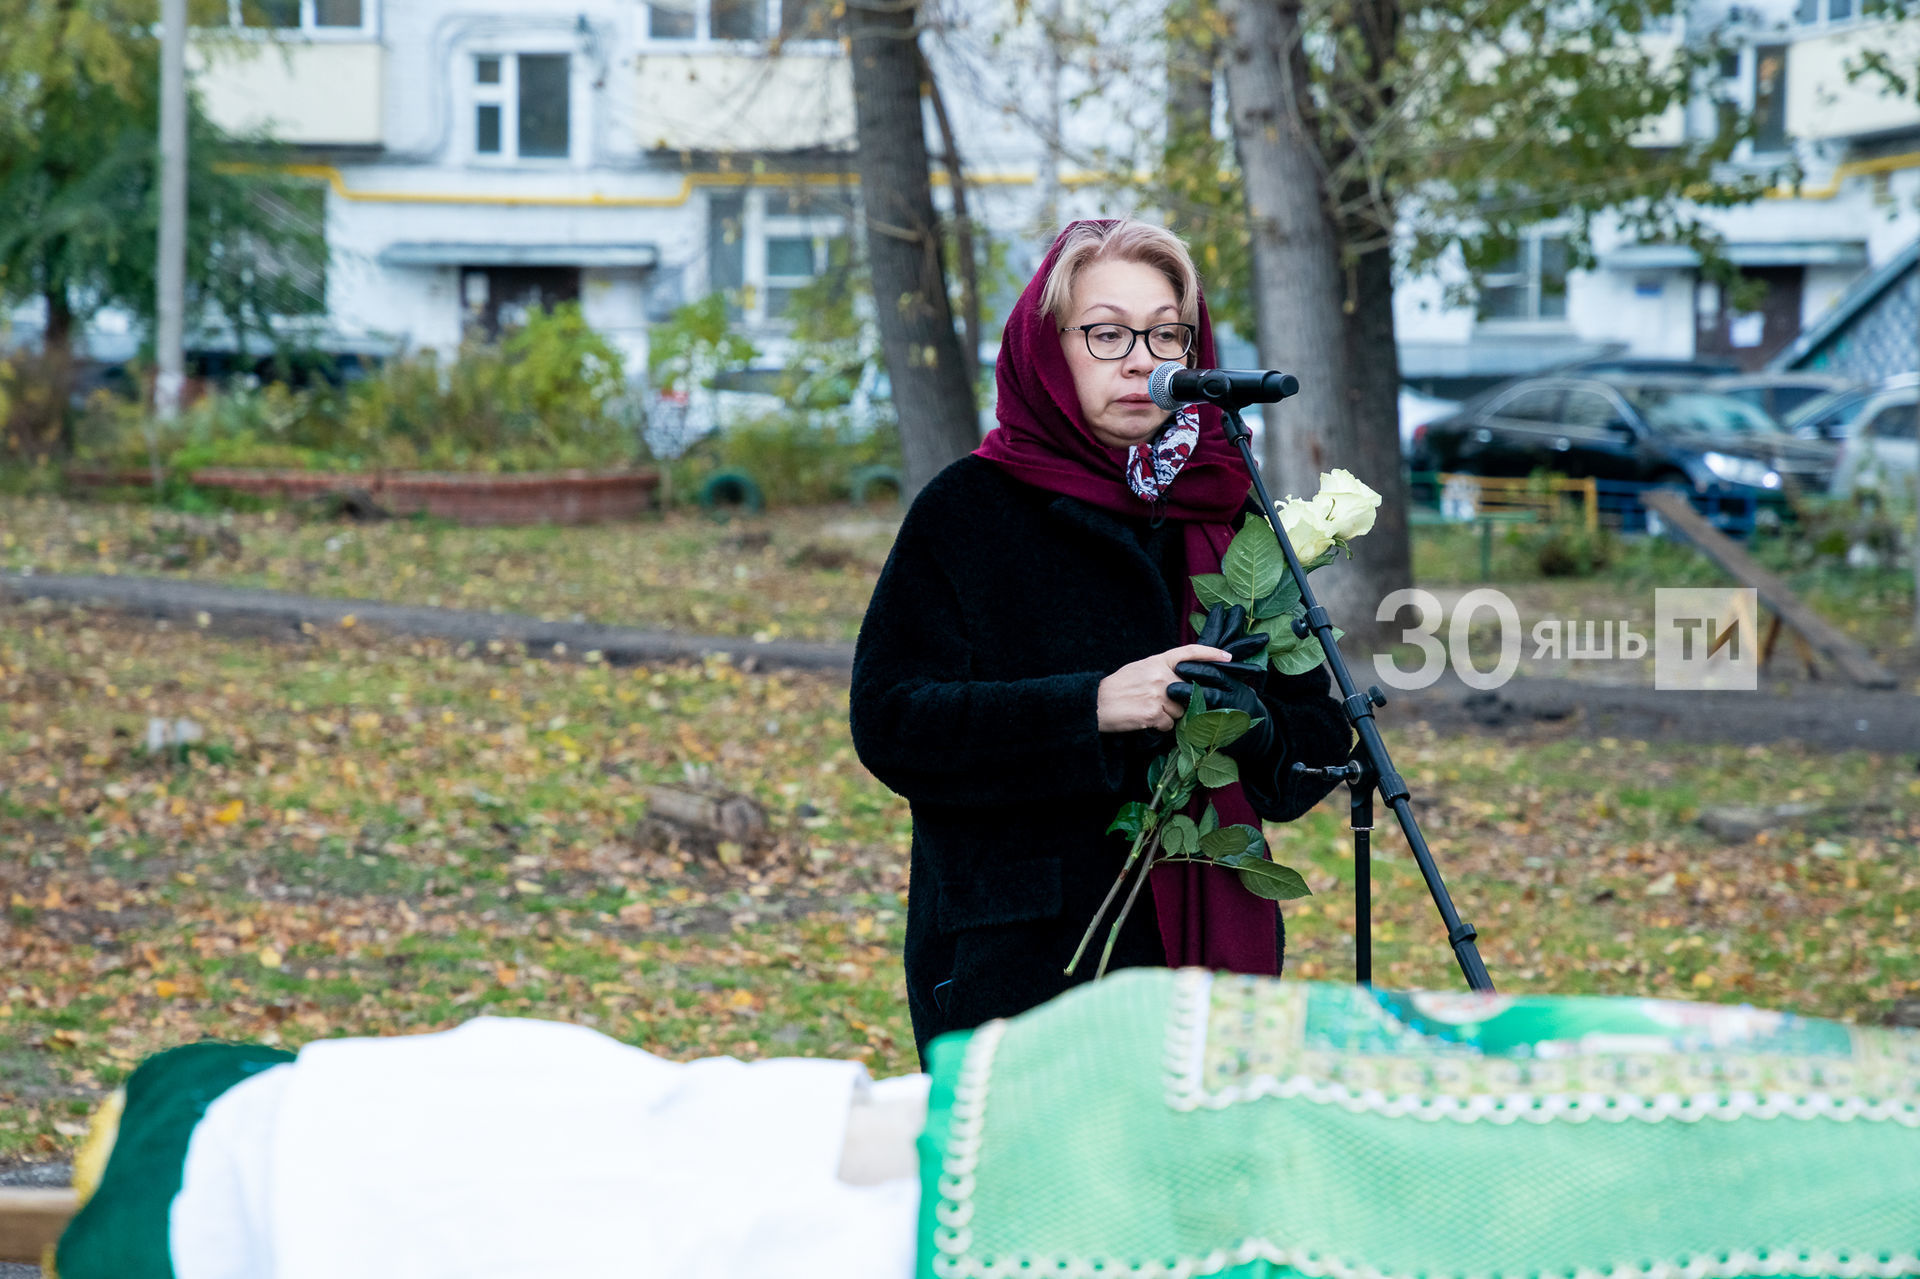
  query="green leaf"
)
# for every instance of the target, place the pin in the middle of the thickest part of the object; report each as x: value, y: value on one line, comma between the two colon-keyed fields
x: 1202, y: 731
x: 1178, y: 794
x: 1211, y: 589
x: 1132, y: 819
x: 1209, y: 820
x: 1232, y: 844
x: 1281, y: 638
x: 1180, y: 837
x: 1185, y: 763
x: 1283, y: 599
x: 1273, y: 882
x: 1198, y: 621
x: 1253, y: 564
x: 1303, y: 658
x: 1155, y: 768
x: 1216, y: 770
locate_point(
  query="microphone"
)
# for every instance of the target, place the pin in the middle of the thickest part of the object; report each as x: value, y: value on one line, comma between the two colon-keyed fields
x: 1174, y: 384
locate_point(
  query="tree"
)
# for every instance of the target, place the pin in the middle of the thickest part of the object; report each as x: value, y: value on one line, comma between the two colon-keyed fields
x: 931, y: 391
x: 79, y: 110
x: 1483, y: 117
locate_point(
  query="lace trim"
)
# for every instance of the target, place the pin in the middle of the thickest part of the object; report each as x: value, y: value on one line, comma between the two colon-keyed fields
x: 1279, y: 1065
x: 954, y: 1209
x: 1735, y: 1264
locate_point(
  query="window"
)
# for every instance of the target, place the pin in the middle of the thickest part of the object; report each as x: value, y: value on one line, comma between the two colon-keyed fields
x: 803, y: 232
x: 521, y: 107
x: 1532, y: 404
x: 302, y: 15
x: 1530, y: 285
x: 1895, y: 422
x: 1591, y: 410
x: 1770, y: 97
x: 1813, y: 12
x: 727, y: 248
x: 740, y: 19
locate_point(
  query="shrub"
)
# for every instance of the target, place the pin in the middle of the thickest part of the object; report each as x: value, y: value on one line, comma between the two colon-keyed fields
x: 552, y: 395
x: 795, y: 461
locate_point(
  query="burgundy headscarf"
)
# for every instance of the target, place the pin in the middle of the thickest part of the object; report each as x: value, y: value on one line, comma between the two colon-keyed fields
x: 1207, y: 917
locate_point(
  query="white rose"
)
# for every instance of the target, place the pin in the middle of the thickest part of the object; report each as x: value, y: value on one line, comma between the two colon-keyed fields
x: 1306, y: 527
x: 1346, y: 505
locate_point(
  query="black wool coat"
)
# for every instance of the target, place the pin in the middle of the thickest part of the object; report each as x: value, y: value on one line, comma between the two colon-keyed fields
x: 975, y: 684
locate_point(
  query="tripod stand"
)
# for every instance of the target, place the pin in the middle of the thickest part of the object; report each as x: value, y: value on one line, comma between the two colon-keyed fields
x: 1372, y: 770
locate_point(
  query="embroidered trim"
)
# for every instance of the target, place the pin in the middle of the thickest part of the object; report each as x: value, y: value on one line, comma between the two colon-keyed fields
x: 1735, y: 1264
x: 1280, y: 1065
x: 954, y: 1209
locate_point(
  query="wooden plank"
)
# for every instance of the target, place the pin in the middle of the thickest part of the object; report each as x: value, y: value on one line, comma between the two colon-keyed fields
x: 31, y: 1219
x: 1852, y: 660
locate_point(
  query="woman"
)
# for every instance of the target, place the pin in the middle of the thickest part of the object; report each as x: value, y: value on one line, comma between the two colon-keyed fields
x: 1028, y: 647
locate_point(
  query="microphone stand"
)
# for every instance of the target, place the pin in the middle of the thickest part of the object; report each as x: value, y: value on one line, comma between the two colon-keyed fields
x: 1372, y: 770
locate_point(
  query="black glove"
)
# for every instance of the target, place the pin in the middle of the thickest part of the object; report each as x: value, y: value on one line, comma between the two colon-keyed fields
x: 1231, y: 685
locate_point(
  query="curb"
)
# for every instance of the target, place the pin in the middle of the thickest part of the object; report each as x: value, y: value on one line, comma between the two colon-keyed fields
x: 244, y: 610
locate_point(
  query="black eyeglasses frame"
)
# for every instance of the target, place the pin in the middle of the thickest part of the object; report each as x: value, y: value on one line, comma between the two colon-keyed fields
x: 1086, y: 329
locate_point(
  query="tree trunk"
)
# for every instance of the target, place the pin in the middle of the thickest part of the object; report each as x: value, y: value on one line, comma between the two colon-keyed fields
x: 924, y: 362
x: 57, y: 352
x: 1299, y: 290
x: 1190, y: 62
x: 963, y: 248
x: 1382, y: 560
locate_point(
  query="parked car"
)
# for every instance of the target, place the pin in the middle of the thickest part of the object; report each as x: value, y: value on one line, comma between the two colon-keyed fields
x: 1883, y: 443
x: 1832, y: 416
x: 1650, y: 366
x: 1637, y: 429
x: 1778, y: 395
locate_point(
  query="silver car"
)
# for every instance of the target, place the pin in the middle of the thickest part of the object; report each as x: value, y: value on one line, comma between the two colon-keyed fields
x: 1881, y: 449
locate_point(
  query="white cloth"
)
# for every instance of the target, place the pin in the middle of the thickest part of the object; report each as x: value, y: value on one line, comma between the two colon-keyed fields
x: 515, y: 1148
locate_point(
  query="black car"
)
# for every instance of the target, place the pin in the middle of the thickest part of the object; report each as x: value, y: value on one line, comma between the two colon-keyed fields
x: 1638, y: 429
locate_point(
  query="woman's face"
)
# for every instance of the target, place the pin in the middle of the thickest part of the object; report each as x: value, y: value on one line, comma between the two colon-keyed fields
x: 1113, y: 393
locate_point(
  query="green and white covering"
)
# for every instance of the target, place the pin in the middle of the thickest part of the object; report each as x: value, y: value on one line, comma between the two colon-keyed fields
x: 1180, y: 1124
x: 1156, y: 1124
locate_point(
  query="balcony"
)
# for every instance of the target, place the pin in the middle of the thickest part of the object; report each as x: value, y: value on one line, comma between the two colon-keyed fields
x: 318, y: 93
x: 1823, y: 103
x: 743, y: 102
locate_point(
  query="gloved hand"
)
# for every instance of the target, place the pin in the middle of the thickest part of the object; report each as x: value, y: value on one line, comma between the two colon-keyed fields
x: 1231, y: 685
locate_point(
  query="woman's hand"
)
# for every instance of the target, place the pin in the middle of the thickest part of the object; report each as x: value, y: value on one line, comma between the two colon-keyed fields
x: 1135, y: 696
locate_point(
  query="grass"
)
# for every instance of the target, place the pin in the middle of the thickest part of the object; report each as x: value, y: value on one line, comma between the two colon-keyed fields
x: 377, y: 836
x: 798, y: 574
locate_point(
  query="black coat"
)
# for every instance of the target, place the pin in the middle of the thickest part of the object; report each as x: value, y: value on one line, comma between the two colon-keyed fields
x: 975, y: 682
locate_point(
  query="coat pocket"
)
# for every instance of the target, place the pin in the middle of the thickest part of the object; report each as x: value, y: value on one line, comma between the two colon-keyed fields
x: 1003, y: 893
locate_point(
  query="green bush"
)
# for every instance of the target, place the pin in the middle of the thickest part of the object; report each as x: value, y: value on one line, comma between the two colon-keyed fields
x: 794, y: 460
x: 1569, y: 550
x: 553, y: 395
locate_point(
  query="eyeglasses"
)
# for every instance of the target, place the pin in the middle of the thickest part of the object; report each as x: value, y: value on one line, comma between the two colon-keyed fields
x: 1115, y: 341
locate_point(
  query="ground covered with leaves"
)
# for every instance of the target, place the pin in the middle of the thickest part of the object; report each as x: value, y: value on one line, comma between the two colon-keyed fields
x: 375, y: 835
x: 795, y: 574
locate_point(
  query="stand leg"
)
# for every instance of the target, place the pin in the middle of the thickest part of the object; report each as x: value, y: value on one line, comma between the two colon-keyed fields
x: 1360, y: 811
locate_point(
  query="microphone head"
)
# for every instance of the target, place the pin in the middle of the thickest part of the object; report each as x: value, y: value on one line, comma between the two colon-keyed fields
x: 1160, y: 384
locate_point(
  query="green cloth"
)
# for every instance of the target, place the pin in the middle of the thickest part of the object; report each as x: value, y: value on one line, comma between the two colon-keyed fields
x: 121, y: 1233
x: 1180, y: 1123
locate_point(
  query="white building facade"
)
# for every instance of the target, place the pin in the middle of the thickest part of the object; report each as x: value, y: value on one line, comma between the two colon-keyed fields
x: 480, y: 156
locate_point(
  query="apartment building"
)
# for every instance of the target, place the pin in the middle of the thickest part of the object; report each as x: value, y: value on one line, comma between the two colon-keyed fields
x: 483, y: 156
x: 1808, y: 244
